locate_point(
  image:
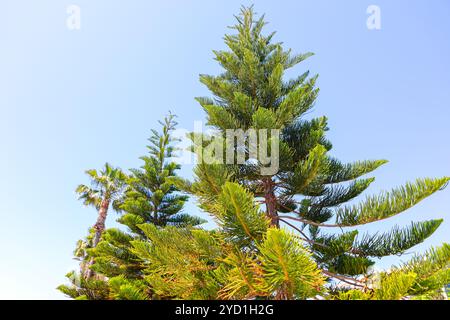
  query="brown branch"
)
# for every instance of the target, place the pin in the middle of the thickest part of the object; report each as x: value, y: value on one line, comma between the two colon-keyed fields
x: 304, y: 235
x: 344, y: 279
x: 310, y: 222
x: 305, y: 220
x: 323, y: 224
x: 352, y: 250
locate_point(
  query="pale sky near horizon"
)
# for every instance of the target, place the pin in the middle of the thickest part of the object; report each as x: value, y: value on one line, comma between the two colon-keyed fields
x: 72, y: 100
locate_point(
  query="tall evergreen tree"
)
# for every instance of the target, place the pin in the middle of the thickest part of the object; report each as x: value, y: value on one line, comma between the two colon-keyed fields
x: 310, y: 191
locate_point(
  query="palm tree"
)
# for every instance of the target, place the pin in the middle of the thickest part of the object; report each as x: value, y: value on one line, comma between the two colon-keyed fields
x: 107, y: 189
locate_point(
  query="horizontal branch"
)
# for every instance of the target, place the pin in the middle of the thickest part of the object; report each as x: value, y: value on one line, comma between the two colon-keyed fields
x: 310, y: 222
x: 352, y: 250
x: 345, y: 279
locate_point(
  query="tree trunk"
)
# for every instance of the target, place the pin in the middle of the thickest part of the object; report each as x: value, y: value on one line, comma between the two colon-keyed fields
x: 100, y: 224
x: 99, y: 227
x: 271, y: 202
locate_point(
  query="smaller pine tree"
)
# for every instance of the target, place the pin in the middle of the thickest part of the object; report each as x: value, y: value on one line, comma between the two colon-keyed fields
x: 151, y: 196
x: 311, y: 191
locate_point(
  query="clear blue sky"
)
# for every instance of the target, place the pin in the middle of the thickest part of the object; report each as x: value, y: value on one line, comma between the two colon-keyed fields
x: 71, y: 100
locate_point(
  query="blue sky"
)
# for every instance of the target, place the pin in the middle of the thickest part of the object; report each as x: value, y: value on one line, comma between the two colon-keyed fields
x: 71, y: 100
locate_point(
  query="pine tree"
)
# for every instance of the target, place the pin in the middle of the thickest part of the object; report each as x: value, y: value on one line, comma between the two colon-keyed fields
x: 151, y: 196
x: 310, y: 190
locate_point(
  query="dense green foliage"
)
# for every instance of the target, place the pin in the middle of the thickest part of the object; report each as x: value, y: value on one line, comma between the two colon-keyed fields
x: 148, y: 197
x: 270, y: 241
